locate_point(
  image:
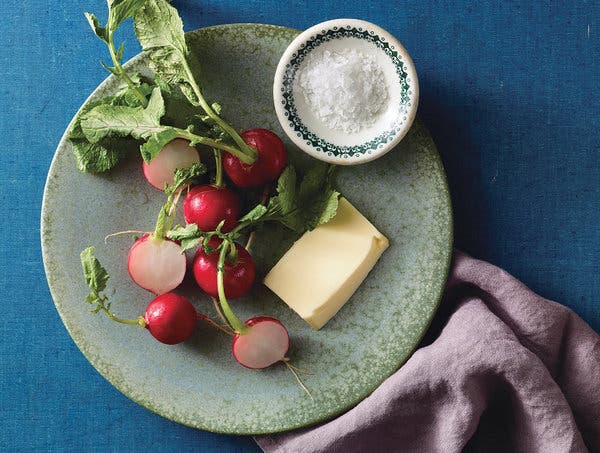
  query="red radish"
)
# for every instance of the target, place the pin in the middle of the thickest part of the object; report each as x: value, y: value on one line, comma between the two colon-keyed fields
x: 176, y: 154
x: 156, y: 264
x: 265, y: 342
x: 270, y: 163
x: 238, y: 276
x: 208, y: 205
x: 170, y: 318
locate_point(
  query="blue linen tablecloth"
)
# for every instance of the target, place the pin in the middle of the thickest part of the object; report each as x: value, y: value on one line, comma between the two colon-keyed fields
x: 510, y: 92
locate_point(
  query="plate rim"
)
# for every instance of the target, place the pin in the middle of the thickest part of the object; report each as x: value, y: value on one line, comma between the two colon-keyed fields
x: 80, y: 343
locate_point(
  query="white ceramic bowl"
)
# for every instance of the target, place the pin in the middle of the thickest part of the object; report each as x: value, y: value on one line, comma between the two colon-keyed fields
x: 310, y: 128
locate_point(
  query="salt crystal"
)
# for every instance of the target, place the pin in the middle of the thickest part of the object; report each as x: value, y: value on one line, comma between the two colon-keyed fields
x: 344, y: 88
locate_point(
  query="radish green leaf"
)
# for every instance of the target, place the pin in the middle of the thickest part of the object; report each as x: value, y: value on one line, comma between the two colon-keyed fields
x: 119, y: 120
x: 160, y: 32
x: 95, y: 275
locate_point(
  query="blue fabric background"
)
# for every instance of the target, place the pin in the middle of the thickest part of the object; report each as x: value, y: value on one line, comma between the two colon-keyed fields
x: 510, y: 91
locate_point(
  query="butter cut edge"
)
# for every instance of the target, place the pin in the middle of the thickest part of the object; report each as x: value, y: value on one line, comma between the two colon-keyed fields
x: 324, y: 313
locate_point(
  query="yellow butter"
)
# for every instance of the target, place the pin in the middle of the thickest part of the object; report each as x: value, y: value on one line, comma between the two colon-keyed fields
x: 323, y: 268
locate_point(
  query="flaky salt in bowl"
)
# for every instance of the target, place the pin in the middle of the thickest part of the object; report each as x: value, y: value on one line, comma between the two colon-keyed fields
x: 346, y: 91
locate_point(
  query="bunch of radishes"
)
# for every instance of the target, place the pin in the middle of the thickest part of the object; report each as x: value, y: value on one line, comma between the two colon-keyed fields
x: 222, y: 268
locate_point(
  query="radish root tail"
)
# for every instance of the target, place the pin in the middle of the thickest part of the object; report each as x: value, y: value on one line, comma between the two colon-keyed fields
x: 298, y: 370
x: 219, y: 312
x: 224, y: 329
x: 300, y: 383
x: 119, y: 233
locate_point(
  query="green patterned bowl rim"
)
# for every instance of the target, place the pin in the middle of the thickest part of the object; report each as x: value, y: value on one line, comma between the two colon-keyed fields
x: 307, y: 139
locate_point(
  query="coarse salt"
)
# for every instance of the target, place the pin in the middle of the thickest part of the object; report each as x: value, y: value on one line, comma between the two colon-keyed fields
x: 344, y: 88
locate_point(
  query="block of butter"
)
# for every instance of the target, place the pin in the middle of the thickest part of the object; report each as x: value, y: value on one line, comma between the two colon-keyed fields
x: 323, y: 268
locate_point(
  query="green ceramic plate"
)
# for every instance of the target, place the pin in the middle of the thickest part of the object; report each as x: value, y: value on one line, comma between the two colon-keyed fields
x: 198, y: 383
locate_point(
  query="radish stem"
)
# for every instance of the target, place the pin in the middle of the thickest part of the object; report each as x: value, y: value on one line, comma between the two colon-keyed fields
x: 139, y: 321
x: 232, y: 319
x: 164, y: 222
x: 249, y: 152
x: 195, y: 139
x: 122, y: 73
x: 101, y: 301
x: 218, y: 168
x: 249, y: 241
x: 175, y: 201
x: 232, y: 255
x: 263, y: 200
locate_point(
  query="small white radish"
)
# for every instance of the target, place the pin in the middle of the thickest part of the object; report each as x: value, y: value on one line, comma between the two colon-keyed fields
x: 264, y: 343
x: 176, y: 154
x: 156, y: 264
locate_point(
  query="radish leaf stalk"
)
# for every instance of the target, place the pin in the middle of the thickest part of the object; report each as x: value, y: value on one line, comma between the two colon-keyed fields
x: 218, y: 168
x: 118, y: 11
x: 186, y: 177
x: 235, y: 323
x: 96, y: 278
x: 183, y: 178
x: 159, y: 30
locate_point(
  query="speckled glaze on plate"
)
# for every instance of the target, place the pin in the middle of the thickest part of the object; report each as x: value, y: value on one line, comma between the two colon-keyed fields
x: 198, y: 383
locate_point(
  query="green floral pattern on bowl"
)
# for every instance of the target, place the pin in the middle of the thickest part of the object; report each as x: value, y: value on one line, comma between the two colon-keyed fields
x: 289, y: 104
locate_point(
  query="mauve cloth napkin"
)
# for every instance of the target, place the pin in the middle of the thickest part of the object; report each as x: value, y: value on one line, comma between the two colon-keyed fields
x: 501, y: 369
